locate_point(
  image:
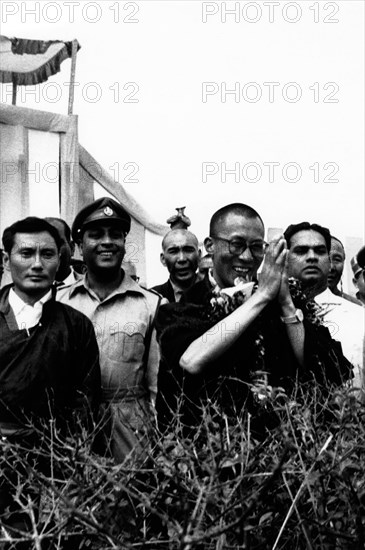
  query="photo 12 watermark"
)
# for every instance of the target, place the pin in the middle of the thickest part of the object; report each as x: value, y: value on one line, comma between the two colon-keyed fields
x: 269, y: 92
x: 69, y: 12
x: 270, y: 12
x: 88, y: 92
x: 269, y: 172
x: 50, y: 172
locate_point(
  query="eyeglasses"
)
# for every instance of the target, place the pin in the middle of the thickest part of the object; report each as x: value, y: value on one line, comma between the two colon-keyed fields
x: 236, y: 248
x: 360, y: 274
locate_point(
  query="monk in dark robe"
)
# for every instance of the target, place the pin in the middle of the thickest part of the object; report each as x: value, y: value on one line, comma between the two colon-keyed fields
x: 234, y: 337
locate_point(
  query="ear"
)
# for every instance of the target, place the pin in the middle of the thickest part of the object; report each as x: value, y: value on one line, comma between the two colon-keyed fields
x: 6, y: 260
x: 199, y: 254
x: 209, y: 245
x: 162, y: 259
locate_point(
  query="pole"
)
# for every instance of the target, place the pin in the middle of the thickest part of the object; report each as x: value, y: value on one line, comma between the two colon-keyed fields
x: 72, y: 79
x: 13, y: 99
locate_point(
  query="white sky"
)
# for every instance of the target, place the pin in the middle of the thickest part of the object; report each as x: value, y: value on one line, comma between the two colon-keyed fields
x: 169, y: 132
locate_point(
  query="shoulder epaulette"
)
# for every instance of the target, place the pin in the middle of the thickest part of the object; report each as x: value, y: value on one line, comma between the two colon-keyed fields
x: 152, y: 291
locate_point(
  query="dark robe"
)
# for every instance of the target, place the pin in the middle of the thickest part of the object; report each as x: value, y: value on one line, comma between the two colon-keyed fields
x: 165, y: 290
x: 49, y: 370
x: 264, y: 346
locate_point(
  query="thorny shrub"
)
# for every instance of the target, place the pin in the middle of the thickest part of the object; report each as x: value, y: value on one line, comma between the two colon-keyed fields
x: 301, y: 486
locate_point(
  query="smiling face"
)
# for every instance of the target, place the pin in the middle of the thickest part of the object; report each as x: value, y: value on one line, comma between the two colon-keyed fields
x: 337, y: 259
x: 227, y: 266
x: 181, y: 256
x: 103, y: 248
x: 33, y: 262
x: 308, y: 259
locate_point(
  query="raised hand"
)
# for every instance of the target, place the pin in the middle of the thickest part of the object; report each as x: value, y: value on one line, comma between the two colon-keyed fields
x: 272, y: 269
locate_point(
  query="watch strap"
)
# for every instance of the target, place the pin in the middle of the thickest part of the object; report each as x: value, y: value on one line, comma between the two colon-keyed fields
x: 292, y: 319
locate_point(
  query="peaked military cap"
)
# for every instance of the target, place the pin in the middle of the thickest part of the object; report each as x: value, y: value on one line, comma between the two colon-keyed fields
x: 104, y: 209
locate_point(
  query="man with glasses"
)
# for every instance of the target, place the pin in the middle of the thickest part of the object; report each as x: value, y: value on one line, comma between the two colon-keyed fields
x: 215, y: 347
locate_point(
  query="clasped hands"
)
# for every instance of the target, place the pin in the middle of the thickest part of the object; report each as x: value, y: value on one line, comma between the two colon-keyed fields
x: 273, y: 279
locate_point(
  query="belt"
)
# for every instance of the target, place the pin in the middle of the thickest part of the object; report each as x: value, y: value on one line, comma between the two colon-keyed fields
x: 113, y: 395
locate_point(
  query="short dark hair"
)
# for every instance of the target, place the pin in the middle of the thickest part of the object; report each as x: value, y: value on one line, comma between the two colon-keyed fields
x: 31, y: 224
x: 65, y: 225
x: 234, y: 208
x: 306, y: 226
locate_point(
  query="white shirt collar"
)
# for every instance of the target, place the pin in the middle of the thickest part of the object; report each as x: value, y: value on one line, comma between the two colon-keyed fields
x: 327, y: 297
x: 27, y: 316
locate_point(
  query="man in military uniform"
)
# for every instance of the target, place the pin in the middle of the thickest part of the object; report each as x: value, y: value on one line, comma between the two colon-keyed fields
x: 123, y: 315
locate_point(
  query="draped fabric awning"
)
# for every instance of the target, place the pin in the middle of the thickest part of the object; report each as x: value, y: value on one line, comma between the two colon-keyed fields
x: 24, y: 62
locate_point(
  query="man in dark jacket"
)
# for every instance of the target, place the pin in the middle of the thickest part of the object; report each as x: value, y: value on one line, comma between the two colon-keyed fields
x: 180, y: 255
x: 49, y: 360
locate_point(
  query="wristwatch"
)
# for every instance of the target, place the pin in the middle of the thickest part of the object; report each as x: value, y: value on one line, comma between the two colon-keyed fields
x: 292, y: 319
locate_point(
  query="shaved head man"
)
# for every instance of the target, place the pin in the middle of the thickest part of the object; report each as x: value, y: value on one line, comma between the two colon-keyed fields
x: 207, y: 346
x: 180, y: 254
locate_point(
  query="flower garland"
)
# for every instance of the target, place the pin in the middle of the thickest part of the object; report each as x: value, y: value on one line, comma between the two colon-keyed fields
x: 312, y: 311
x: 225, y: 301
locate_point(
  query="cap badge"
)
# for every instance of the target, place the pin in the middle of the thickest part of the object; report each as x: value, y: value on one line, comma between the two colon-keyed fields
x: 108, y: 211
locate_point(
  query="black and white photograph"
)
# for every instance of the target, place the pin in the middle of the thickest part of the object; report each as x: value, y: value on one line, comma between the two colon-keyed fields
x: 182, y: 275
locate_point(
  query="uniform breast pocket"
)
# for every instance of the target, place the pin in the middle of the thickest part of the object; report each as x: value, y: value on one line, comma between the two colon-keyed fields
x: 126, y: 343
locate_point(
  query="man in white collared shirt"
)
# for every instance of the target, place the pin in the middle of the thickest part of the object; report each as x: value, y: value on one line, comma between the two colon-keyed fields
x: 309, y: 262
